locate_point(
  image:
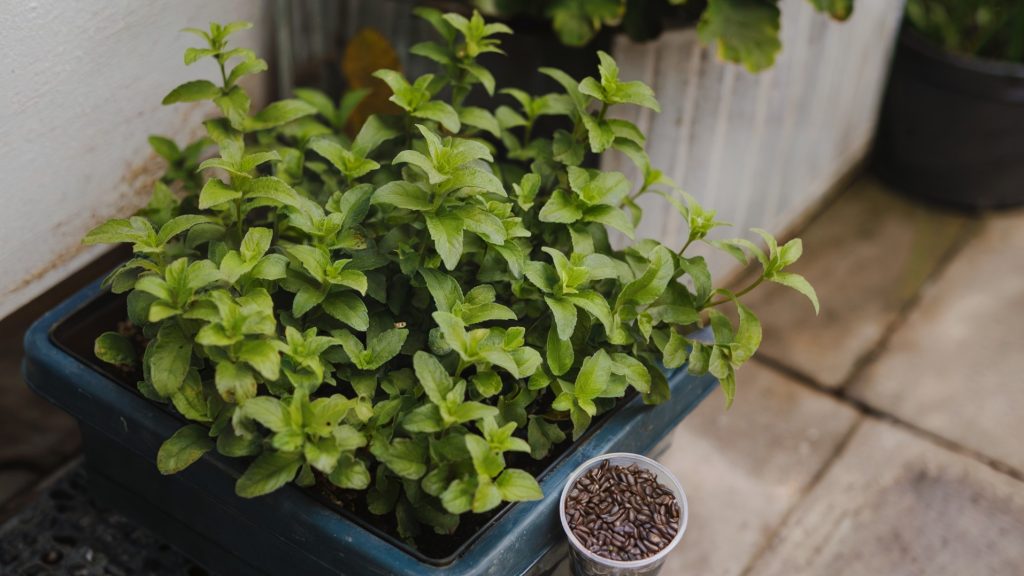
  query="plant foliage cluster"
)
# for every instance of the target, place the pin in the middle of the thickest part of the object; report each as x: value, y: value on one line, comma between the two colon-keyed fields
x: 742, y: 31
x: 987, y: 28
x: 401, y: 312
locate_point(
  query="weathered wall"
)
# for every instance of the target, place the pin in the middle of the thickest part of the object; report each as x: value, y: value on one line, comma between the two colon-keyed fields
x: 761, y: 149
x: 80, y: 90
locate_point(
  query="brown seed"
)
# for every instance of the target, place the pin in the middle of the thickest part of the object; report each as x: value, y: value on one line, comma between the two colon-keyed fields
x: 622, y: 512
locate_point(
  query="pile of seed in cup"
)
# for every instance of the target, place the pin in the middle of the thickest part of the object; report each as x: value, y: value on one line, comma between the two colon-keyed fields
x: 622, y: 512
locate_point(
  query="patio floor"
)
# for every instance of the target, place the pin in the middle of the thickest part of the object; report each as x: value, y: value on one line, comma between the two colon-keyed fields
x: 882, y: 437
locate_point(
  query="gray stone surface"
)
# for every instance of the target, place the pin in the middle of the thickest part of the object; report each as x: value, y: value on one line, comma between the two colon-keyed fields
x: 867, y: 255
x: 956, y: 367
x: 895, y: 503
x: 744, y: 468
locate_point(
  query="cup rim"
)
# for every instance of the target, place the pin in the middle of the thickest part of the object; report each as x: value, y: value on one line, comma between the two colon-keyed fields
x: 645, y: 461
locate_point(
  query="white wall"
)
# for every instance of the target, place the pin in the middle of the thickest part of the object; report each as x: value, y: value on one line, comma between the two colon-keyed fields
x: 80, y: 90
x: 761, y: 149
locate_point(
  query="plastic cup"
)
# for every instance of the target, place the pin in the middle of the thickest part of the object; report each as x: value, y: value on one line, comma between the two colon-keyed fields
x: 587, y: 563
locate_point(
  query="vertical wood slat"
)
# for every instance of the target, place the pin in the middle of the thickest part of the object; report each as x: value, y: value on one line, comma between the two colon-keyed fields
x: 762, y: 149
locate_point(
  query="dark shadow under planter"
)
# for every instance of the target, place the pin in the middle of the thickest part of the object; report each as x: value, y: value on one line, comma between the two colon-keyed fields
x: 291, y: 531
x: 952, y: 127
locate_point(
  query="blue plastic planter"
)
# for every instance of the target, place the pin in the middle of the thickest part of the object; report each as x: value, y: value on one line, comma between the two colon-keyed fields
x: 290, y: 531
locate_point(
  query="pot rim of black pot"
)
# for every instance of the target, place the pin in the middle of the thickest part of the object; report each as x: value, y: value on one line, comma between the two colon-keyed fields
x: 915, y: 40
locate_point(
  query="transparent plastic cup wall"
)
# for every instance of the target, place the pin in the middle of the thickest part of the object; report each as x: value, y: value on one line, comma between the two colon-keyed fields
x: 587, y: 563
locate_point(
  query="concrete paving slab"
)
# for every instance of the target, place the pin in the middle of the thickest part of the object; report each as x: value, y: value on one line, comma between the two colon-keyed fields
x: 867, y: 255
x: 895, y: 503
x: 743, y: 469
x: 956, y: 366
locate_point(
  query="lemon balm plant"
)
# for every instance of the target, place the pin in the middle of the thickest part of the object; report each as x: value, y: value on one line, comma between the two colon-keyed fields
x: 402, y: 313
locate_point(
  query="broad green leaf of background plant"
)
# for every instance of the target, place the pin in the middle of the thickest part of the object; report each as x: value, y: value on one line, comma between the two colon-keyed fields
x: 742, y: 31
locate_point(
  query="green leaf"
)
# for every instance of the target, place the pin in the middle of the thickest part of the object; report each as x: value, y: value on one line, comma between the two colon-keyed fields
x: 350, y: 473
x: 440, y: 112
x: 403, y: 194
x: 348, y: 163
x: 748, y: 335
x: 179, y: 224
x: 193, y: 401
x: 593, y: 376
x: 444, y: 289
x: 272, y: 189
x: 348, y: 308
x: 432, y: 377
x: 186, y: 446
x: 652, y: 283
x: 268, y: 411
x: 373, y: 133
x: 426, y: 419
x: 673, y: 350
x: 170, y: 359
x: 744, y: 31
x: 487, y: 382
x: 114, y: 348
x: 385, y: 346
x: 798, y: 283
x: 518, y: 486
x: 559, y: 352
x: 838, y: 9
x: 561, y: 208
x: 486, y: 461
x: 542, y: 435
x: 660, y: 391
x: 134, y: 230
x: 245, y: 69
x: 595, y: 305
x: 235, y: 382
x: 564, y: 313
x: 278, y: 114
x: 637, y: 375
x: 216, y: 193
x: 267, y: 473
x: 470, y: 411
x: 192, y: 91
x: 403, y: 456
x: 480, y: 118
x: 433, y: 51
x: 483, y: 224
x: 446, y: 232
x: 458, y: 497
x: 262, y: 355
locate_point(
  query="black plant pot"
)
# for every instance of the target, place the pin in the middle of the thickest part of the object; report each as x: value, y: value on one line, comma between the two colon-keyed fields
x: 952, y: 127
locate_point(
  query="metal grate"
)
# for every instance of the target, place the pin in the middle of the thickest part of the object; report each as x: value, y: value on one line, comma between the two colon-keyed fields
x: 64, y: 533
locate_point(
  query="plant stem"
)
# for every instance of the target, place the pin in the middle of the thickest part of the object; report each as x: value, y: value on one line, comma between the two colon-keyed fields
x: 736, y: 295
x: 223, y: 74
x: 687, y: 245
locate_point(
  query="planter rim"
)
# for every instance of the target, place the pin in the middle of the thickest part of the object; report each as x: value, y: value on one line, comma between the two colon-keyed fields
x: 920, y: 44
x: 91, y: 396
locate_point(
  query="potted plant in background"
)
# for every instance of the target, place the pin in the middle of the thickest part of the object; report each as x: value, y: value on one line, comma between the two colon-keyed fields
x: 391, y: 338
x: 953, y: 122
x: 742, y: 31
